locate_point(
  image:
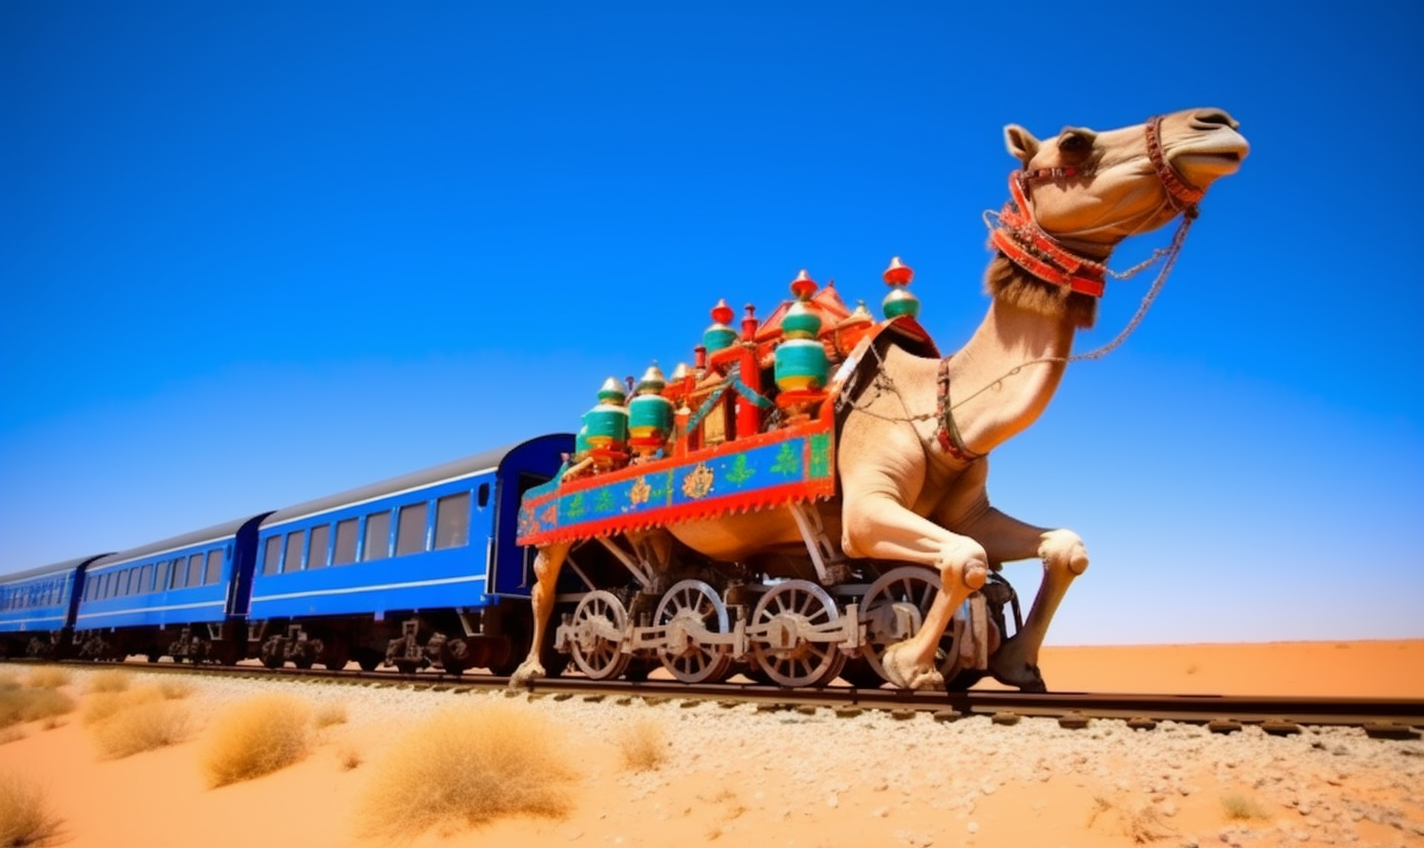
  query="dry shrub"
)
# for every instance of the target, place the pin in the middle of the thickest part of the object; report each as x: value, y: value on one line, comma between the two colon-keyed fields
x: 349, y: 758
x: 141, y: 727
x: 257, y: 737
x: 48, y: 677
x: 329, y: 714
x: 1242, y: 807
x: 174, y: 690
x: 110, y: 681
x: 21, y: 705
x: 644, y: 745
x: 103, y: 705
x: 25, y: 819
x: 1139, y: 821
x: 465, y: 767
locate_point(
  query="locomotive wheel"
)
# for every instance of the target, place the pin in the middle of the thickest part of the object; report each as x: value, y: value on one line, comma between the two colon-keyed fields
x: 801, y: 663
x: 407, y: 666
x: 599, y: 622
x: 687, y: 604
x: 901, y: 596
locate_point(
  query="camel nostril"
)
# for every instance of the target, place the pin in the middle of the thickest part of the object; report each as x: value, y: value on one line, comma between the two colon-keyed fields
x: 1215, y: 117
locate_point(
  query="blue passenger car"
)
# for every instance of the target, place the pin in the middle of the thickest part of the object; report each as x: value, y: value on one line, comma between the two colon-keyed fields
x: 37, y: 609
x: 182, y: 597
x: 414, y: 570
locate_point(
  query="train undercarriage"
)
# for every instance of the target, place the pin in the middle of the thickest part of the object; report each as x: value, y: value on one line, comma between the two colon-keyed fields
x: 802, y: 623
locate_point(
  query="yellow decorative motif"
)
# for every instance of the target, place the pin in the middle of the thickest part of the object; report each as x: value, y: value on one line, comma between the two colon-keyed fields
x: 698, y: 482
x: 640, y: 492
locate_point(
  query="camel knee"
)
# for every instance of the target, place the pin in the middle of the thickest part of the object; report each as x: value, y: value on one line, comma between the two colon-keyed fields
x: 1063, y: 549
x: 964, y: 562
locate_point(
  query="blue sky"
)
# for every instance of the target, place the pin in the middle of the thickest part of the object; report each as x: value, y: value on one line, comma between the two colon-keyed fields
x: 255, y: 253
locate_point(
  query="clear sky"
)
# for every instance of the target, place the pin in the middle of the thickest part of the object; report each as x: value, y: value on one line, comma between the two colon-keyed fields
x: 255, y: 253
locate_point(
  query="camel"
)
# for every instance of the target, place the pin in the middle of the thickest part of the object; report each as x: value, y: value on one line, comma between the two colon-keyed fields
x: 913, y: 459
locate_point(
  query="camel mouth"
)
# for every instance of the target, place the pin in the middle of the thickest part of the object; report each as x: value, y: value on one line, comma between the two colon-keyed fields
x: 1207, y: 165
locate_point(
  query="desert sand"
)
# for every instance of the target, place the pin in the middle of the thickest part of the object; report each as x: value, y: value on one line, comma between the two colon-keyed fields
x: 738, y: 777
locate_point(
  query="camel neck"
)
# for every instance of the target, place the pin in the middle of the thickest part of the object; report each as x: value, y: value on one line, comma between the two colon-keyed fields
x: 992, y: 400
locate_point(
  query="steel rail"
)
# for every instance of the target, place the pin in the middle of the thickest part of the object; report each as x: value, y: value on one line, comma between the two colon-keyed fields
x: 1385, y: 717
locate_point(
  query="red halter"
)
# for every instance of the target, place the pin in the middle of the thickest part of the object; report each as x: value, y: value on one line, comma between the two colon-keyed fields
x: 1020, y: 238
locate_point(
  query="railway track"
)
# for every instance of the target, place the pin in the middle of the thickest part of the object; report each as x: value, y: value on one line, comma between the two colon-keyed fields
x: 1385, y: 718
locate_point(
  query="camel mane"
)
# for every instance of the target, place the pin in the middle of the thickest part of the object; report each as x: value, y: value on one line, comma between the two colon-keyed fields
x: 1013, y: 285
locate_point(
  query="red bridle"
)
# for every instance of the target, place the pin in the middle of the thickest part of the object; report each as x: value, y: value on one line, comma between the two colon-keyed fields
x: 1020, y: 238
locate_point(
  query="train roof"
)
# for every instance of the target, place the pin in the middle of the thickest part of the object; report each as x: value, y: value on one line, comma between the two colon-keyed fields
x: 469, y: 466
x: 208, y: 534
x: 47, y: 570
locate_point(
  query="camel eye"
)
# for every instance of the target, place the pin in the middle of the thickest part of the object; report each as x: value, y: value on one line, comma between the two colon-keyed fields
x: 1073, y: 143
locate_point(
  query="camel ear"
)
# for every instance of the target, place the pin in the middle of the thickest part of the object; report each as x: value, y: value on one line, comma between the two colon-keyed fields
x: 1020, y: 142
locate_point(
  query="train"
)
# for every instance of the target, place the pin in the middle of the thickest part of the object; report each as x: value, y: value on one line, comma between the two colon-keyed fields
x: 435, y: 569
x: 414, y: 571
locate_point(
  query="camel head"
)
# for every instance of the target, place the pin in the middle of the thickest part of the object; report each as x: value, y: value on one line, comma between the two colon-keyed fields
x: 1082, y: 191
x: 1108, y: 187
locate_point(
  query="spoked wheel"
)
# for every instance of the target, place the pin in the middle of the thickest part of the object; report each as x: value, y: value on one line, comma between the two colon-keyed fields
x: 689, y: 607
x: 599, y: 622
x: 893, y: 609
x: 786, y: 658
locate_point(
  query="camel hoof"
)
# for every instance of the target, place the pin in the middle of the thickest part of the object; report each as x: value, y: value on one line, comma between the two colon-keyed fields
x: 524, y: 676
x: 905, y: 673
x: 1025, y: 676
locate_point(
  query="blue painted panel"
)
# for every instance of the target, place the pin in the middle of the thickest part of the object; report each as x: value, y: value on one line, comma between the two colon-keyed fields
x: 37, y: 604
x: 159, y: 607
x: 453, y: 577
x: 449, y: 577
x: 534, y: 462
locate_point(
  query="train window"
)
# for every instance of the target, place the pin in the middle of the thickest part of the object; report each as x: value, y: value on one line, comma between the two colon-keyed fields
x: 452, y: 521
x: 410, y: 529
x: 124, y: 582
x: 195, y: 570
x: 320, y: 541
x: 345, y: 542
x: 160, y: 581
x: 295, y: 542
x: 214, y: 572
x: 378, y: 537
x: 271, y: 554
x: 145, y: 583
x: 180, y: 573
x: 484, y: 495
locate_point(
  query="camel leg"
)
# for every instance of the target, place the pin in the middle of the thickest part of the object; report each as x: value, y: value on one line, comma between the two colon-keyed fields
x: 876, y: 525
x: 1064, y: 558
x: 547, y: 564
